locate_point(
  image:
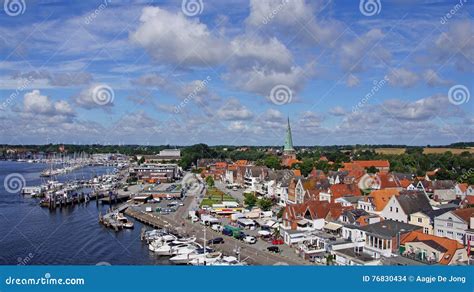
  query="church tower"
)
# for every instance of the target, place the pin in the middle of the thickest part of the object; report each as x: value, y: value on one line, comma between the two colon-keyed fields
x: 289, y: 153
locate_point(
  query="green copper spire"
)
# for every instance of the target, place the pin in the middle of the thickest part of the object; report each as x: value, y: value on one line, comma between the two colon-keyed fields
x: 288, y: 139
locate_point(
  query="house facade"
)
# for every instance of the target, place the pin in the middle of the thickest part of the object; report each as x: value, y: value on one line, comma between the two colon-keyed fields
x: 453, y: 224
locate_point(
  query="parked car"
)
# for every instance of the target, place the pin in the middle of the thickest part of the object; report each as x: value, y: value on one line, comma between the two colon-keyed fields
x: 194, y: 219
x: 278, y: 242
x: 274, y: 249
x: 217, y: 240
x: 227, y: 232
x: 250, y: 239
x: 217, y: 227
x: 240, y: 236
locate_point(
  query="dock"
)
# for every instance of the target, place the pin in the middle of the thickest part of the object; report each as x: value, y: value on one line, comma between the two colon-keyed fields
x: 108, y: 219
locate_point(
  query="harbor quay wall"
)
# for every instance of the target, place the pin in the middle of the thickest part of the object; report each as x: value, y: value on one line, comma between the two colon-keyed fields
x: 182, y: 227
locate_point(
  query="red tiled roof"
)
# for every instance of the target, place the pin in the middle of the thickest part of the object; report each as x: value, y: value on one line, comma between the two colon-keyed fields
x: 317, y: 209
x: 463, y: 187
x: 404, y: 183
x: 464, y: 214
x: 340, y: 190
x: 450, y: 245
x: 469, y: 200
x: 241, y: 162
x: 388, y: 180
x: 221, y: 164
x: 380, y: 198
x: 366, y: 163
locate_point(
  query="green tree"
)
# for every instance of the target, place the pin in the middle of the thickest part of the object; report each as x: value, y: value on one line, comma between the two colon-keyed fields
x: 372, y: 169
x: 305, y: 166
x: 265, y: 204
x: 250, y: 200
x: 272, y: 162
x: 210, y: 181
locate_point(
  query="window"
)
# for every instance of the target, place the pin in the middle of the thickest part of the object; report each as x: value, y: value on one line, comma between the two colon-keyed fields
x: 420, y: 220
x: 396, y: 209
x: 426, y: 230
x: 391, y: 209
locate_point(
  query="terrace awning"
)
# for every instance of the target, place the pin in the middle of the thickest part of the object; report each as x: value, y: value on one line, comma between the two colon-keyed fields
x: 302, y: 222
x: 332, y: 226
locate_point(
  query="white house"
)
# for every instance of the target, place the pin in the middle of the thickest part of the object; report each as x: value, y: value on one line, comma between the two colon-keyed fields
x: 399, y: 208
x: 454, y: 224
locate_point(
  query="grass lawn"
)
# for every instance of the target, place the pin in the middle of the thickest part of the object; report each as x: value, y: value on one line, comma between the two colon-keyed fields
x: 216, y: 196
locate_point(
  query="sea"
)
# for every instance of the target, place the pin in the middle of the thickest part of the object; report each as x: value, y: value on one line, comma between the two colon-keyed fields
x: 34, y: 235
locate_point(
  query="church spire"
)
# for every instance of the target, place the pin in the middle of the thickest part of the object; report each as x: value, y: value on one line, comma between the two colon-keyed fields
x: 288, y: 139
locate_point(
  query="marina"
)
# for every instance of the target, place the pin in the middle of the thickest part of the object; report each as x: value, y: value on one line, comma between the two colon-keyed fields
x: 67, y: 235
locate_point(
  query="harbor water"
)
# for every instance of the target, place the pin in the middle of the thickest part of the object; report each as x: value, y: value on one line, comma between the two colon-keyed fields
x: 33, y: 235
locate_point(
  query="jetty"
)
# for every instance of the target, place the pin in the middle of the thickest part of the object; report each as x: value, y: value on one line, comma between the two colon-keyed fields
x: 113, y: 219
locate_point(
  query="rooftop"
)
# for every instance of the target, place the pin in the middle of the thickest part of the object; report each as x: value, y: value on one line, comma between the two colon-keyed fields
x: 389, y: 228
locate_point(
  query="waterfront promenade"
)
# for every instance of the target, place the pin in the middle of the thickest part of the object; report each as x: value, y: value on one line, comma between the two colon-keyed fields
x: 248, y: 253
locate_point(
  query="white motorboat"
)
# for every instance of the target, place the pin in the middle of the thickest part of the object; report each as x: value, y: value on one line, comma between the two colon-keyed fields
x: 158, y: 245
x: 227, y: 261
x: 173, y: 248
x: 186, y: 258
x: 186, y: 248
x: 31, y: 191
x: 206, y: 259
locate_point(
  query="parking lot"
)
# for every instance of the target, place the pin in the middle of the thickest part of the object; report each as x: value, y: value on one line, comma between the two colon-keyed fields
x: 178, y: 216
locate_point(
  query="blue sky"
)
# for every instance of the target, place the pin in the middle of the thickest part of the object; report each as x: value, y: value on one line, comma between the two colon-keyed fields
x: 231, y: 72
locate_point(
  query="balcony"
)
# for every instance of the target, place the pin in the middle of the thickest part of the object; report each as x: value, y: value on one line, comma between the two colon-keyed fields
x: 420, y: 257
